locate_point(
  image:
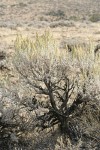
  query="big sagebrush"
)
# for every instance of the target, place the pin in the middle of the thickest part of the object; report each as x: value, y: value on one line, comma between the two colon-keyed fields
x: 69, y: 81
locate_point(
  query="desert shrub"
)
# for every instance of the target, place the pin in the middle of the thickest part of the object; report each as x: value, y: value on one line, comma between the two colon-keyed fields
x: 74, y: 18
x: 61, y: 23
x: 95, y: 17
x: 61, y: 93
x: 22, y: 5
x: 15, y: 118
x: 67, y: 81
x: 59, y: 13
